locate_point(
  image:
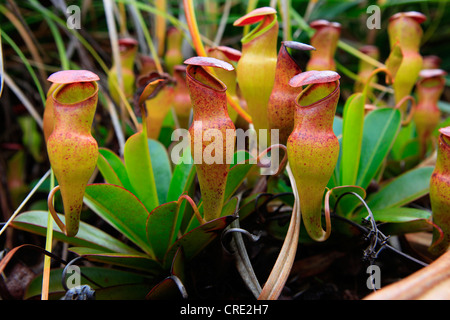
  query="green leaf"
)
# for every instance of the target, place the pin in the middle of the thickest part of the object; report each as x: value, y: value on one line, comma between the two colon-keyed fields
x: 380, y: 130
x: 183, y: 176
x: 163, y: 225
x: 402, y: 214
x: 139, y: 169
x: 162, y: 170
x: 402, y: 190
x: 87, y: 236
x: 352, y: 131
x: 138, y: 261
x: 109, y: 279
x: 404, y: 137
x: 107, y: 169
x: 122, y: 210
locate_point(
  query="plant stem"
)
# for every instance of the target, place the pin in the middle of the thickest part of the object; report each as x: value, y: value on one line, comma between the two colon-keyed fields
x: 280, y: 272
x: 48, y: 247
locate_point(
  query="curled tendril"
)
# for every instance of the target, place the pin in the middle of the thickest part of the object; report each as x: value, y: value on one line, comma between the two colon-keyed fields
x: 194, y: 207
x: 52, y: 210
x: 410, y: 115
x: 389, y: 79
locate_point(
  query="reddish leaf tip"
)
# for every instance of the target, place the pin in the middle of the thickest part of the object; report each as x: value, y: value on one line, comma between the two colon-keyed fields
x: 254, y: 16
x: 127, y: 42
x: 297, y: 45
x: 209, y: 62
x: 71, y: 76
x: 417, y: 16
x: 230, y: 53
x: 318, y: 24
x: 313, y: 76
x: 431, y: 73
x: 445, y: 131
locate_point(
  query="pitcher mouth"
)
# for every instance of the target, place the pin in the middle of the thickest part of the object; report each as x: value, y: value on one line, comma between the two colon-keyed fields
x: 64, y: 97
x: 329, y: 96
x: 213, y: 83
x: 445, y: 136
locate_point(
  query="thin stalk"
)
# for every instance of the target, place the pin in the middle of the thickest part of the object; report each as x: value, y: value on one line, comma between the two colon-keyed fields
x: 243, y: 263
x: 48, y: 247
x: 26, y: 38
x: 283, y: 265
x: 148, y: 37
x: 23, y: 98
x: 223, y: 22
x: 25, y: 201
x: 115, y: 122
x: 114, y: 39
x: 285, y: 6
x: 200, y: 49
x: 50, y: 15
x: 26, y: 63
x: 160, y: 26
x: 65, y: 64
x: 250, y: 7
x: 302, y: 24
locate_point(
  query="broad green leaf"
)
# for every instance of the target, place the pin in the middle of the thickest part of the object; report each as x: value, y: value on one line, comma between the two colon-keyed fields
x: 380, y: 130
x: 400, y: 220
x: 87, y: 236
x: 163, y: 225
x: 122, y: 210
x: 353, y: 122
x: 402, y: 190
x: 405, y: 135
x: 183, y: 176
x: 106, y: 277
x: 162, y: 170
x: 138, y: 261
x: 109, y: 161
x: 107, y: 171
x: 337, y: 129
x: 139, y: 169
x: 402, y: 214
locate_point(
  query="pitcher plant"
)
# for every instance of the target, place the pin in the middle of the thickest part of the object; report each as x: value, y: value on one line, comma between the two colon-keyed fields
x: 159, y: 103
x: 256, y: 67
x: 440, y: 194
x: 325, y: 40
x: 231, y: 56
x: 72, y: 150
x: 208, y: 132
x: 427, y: 115
x: 405, y: 61
x: 312, y: 147
x: 128, y: 49
x: 281, y: 108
